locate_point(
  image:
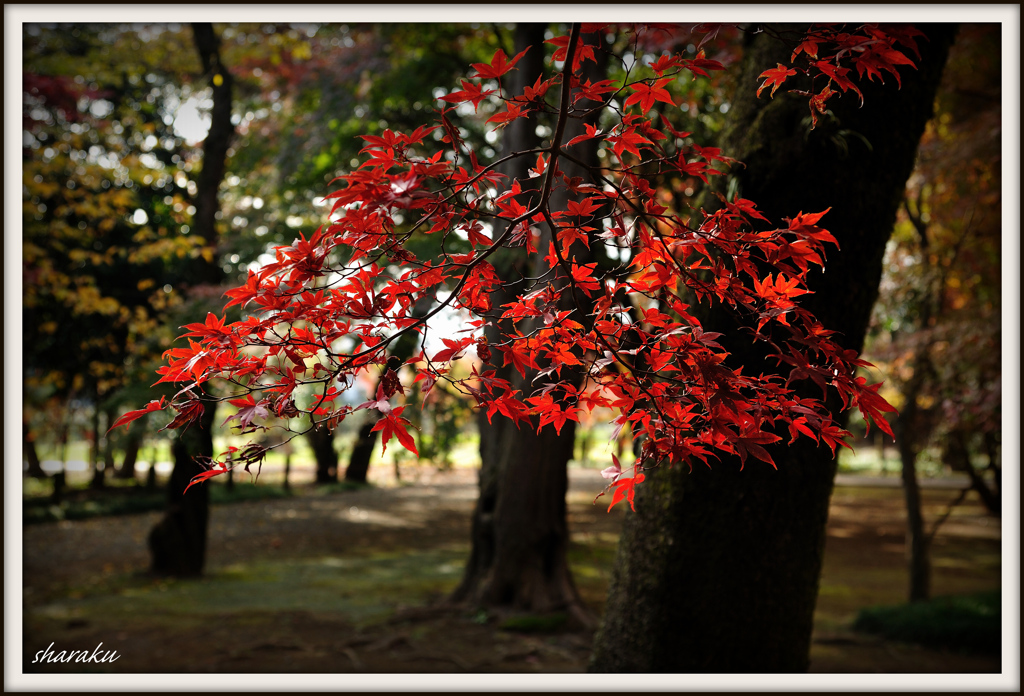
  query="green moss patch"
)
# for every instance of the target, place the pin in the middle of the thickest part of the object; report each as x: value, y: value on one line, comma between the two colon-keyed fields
x: 965, y: 623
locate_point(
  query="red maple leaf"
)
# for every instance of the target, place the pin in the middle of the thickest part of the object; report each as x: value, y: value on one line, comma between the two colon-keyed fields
x: 774, y: 77
x: 625, y: 489
x: 750, y: 443
x: 217, y: 469
x: 393, y: 424
x: 592, y: 132
x: 629, y: 140
x: 583, y: 279
x: 809, y: 46
x: 838, y: 74
x: 550, y: 411
x: 699, y: 65
x: 880, y: 57
x: 872, y: 406
x: 472, y: 93
x: 646, y: 94
x: 127, y: 418
x: 583, y: 52
x: 520, y: 356
x: 499, y: 65
x: 248, y: 409
x: 664, y: 64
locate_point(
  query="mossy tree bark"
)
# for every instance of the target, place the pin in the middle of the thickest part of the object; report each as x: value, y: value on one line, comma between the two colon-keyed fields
x: 718, y: 569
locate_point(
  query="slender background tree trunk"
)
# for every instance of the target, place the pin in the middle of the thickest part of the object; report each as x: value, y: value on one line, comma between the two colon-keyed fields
x: 178, y: 542
x: 35, y: 468
x: 131, y: 455
x: 321, y: 441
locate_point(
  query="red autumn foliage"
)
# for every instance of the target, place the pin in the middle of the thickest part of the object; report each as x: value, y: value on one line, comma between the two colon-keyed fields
x: 329, y: 307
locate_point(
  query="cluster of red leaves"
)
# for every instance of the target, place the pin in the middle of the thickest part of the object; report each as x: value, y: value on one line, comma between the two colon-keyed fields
x: 833, y: 52
x: 328, y: 307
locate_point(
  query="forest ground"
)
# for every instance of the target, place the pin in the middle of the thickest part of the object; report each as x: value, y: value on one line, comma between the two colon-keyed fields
x: 352, y: 581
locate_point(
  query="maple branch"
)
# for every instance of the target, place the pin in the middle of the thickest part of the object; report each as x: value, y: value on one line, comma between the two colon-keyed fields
x: 563, y: 117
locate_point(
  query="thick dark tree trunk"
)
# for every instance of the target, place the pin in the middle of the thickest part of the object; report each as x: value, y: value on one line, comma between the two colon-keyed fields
x: 520, y: 532
x: 177, y: 544
x: 718, y: 569
x: 485, y: 583
x: 321, y: 441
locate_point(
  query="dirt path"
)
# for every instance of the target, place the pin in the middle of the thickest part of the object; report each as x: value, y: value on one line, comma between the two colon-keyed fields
x: 343, y: 583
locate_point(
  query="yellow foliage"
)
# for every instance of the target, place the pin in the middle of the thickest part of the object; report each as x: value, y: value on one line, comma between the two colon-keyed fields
x: 302, y: 51
x: 88, y: 300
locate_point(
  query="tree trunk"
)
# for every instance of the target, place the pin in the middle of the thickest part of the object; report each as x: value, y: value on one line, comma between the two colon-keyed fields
x: 520, y: 533
x: 59, y: 481
x: 500, y: 548
x: 131, y: 456
x: 151, y: 471
x: 177, y: 543
x: 362, y: 451
x: 99, y: 471
x: 321, y: 441
x: 35, y: 468
x: 958, y: 456
x: 718, y: 569
x: 918, y: 561
x: 216, y: 144
x: 991, y: 444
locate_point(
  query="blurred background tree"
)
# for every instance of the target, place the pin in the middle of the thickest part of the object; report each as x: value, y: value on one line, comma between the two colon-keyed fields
x: 936, y: 330
x: 106, y: 204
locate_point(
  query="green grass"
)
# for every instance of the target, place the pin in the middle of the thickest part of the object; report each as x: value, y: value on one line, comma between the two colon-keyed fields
x: 535, y: 623
x: 865, y: 460
x: 363, y: 588
x: 82, y: 503
x: 342, y: 486
x: 965, y: 623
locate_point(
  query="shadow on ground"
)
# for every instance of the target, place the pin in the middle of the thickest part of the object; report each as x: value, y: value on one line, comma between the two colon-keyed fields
x: 354, y: 581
